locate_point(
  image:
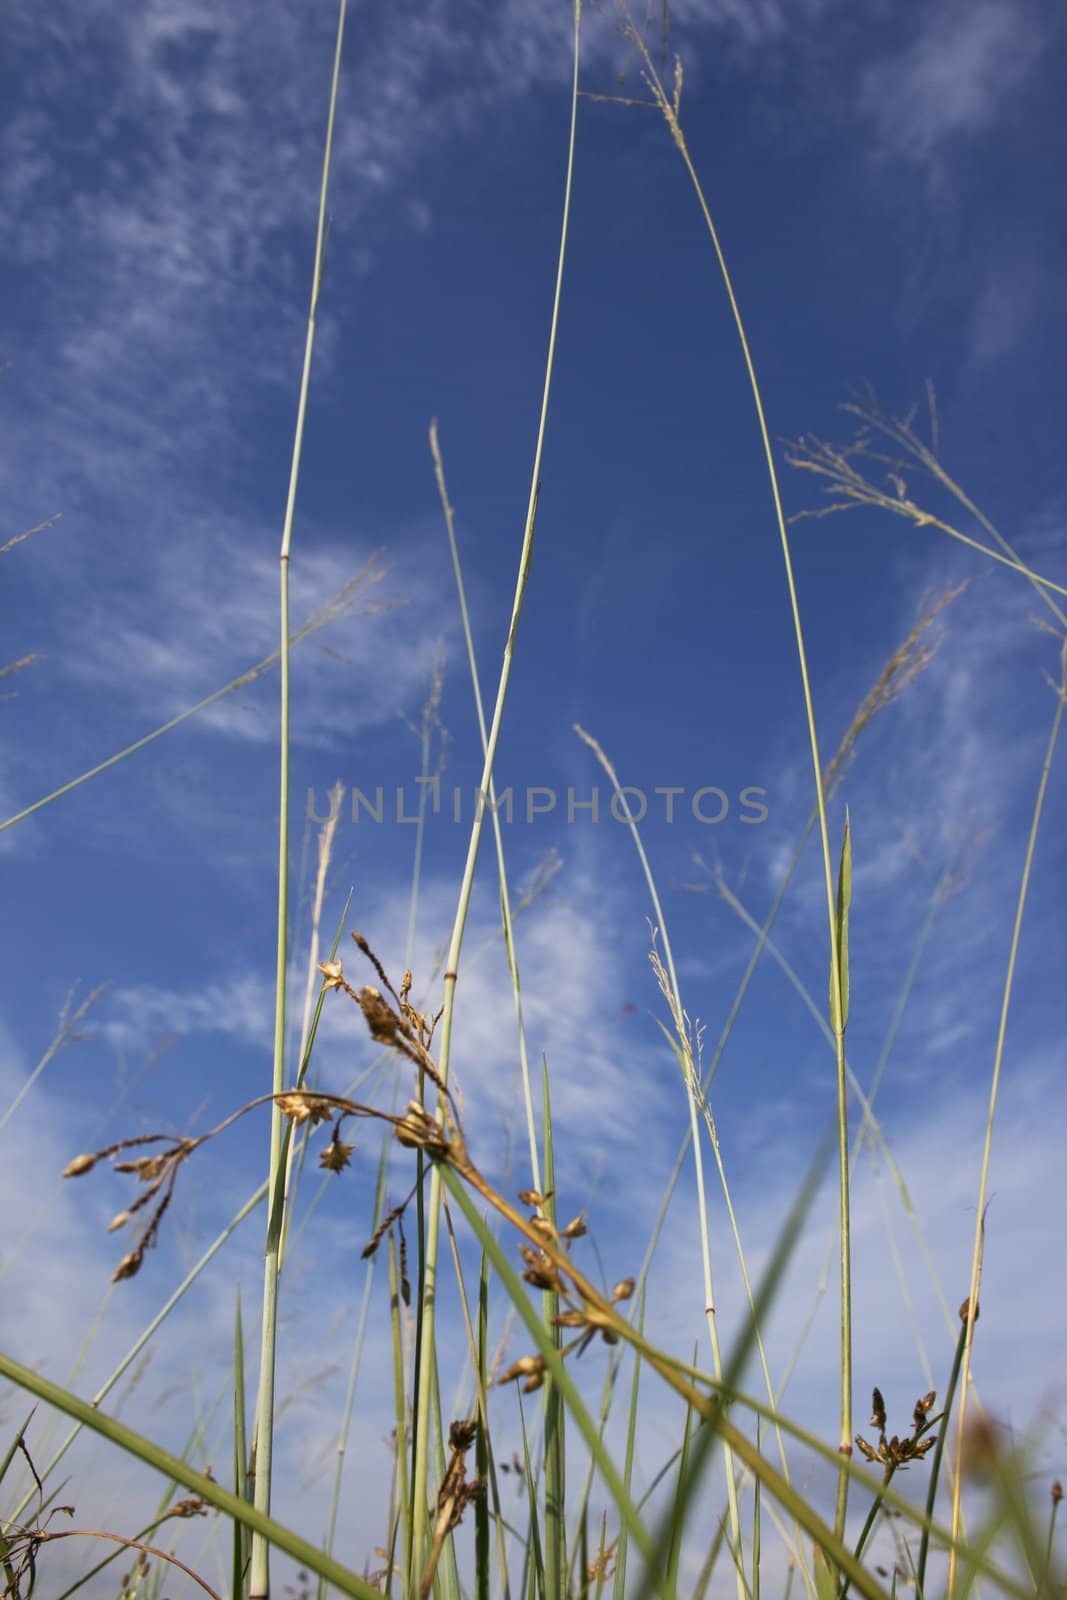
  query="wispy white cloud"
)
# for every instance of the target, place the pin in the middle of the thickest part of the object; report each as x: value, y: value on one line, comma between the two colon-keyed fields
x: 240, y: 1007
x: 1015, y: 291
x: 952, y: 79
x: 200, y: 637
x: 174, y: 155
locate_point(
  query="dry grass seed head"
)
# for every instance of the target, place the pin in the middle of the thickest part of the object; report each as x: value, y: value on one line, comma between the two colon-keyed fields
x: 301, y: 1105
x: 532, y: 1368
x: 337, y: 1155
x: 895, y: 1454
x: 983, y: 1447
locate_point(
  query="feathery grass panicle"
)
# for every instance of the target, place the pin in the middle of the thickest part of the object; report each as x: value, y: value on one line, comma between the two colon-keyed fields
x: 874, y: 470
x: 670, y: 106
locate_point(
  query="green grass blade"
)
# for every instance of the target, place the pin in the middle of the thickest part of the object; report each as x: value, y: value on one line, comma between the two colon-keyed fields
x: 757, y: 1525
x: 305, y: 1062
x: 481, y: 1456
x: 240, y: 1455
x: 259, y: 1585
x: 152, y: 1455
x: 677, y: 1523
x: 421, y: 1464
x: 937, y: 1456
x: 716, y: 1424
x: 973, y: 1293
x: 535, y: 1327
x: 142, y: 1340
x: 555, y: 1414
x: 839, y: 1014
x: 537, y: 1585
x: 400, y: 1404
x: 357, y: 1353
x: 628, y: 1460
x: 9, y: 1454
x: 839, y: 1020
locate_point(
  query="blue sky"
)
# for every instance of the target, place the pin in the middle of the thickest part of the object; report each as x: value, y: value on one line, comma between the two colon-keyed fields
x: 886, y: 185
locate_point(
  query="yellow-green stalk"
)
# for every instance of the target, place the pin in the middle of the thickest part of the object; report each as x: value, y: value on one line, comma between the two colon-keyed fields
x: 669, y: 105
x: 421, y: 1465
x: 973, y: 1306
x: 259, y: 1582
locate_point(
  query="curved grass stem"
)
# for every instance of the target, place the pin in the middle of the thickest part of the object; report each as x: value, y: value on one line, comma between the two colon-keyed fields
x: 420, y: 1474
x: 259, y: 1580
x: 973, y: 1296
x: 669, y: 106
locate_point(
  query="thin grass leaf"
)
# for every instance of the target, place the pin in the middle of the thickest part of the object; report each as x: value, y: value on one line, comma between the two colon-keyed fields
x: 717, y: 1423
x: 973, y: 1293
x: 583, y: 1554
x: 142, y: 1340
x: 678, y: 1519
x: 825, y: 1580
x: 481, y: 1457
x: 535, y: 1327
x: 400, y: 1413
x: 839, y: 990
x: 682, y: 1045
x: 537, y: 1562
x: 938, y: 1455
x: 602, y: 1557
x: 839, y: 1013
x: 259, y: 1583
x: 555, y: 1414
x: 421, y: 1464
x: 292, y: 1180
x: 12, y: 1449
x: 622, y: 1544
x: 757, y: 1525
x: 669, y: 106
x: 241, y: 1542
x: 153, y: 1456
x: 353, y: 1373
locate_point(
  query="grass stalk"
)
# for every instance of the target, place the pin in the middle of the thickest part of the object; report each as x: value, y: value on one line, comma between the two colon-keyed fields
x: 498, y: 837
x: 259, y: 1585
x: 938, y: 1456
x: 677, y: 1523
x: 683, y: 1048
x: 421, y: 1465
x: 293, y: 1158
x: 482, y: 1458
x: 547, y: 1347
x: 628, y: 1459
x: 204, y: 1488
x: 670, y: 107
x: 973, y: 1296
x: 554, y: 1410
x: 397, y: 1298
x: 757, y: 1526
x: 353, y: 1374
